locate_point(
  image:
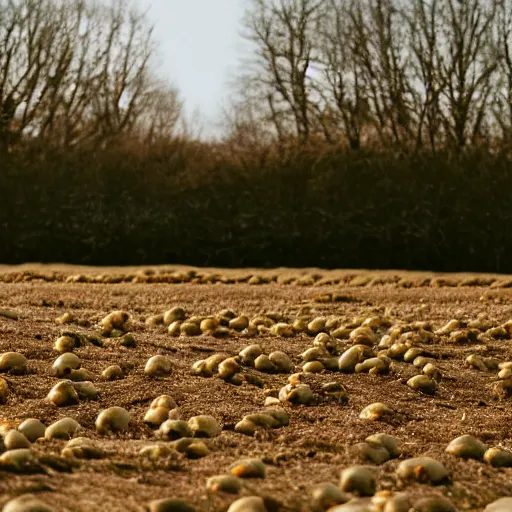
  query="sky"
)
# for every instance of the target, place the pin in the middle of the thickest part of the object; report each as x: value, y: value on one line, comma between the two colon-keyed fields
x: 199, y: 50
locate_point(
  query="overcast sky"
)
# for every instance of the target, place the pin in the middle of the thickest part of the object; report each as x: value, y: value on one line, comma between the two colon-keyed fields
x: 200, y: 49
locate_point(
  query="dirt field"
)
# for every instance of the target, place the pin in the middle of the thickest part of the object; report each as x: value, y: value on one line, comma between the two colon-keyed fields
x: 318, y: 442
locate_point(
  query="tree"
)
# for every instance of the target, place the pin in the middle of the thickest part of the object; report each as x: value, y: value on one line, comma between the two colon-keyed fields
x: 502, y: 105
x: 380, y: 33
x: 340, y: 86
x: 468, y: 61
x: 282, y: 32
x: 422, y: 17
x: 76, y: 72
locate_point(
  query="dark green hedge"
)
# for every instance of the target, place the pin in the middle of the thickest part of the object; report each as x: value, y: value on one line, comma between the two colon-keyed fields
x: 310, y: 208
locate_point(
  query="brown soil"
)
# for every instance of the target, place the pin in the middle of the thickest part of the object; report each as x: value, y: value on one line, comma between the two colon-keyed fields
x: 315, y: 446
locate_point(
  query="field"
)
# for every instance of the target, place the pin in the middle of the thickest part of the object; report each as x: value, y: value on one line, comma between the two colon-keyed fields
x: 322, y: 438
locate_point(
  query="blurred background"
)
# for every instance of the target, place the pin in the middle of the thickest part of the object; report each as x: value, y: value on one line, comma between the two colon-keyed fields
x: 327, y: 133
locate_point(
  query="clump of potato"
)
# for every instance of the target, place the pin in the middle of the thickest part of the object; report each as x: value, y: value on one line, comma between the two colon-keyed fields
x: 282, y: 330
x: 422, y: 469
x: 208, y: 325
x: 377, y: 449
x: 497, y: 333
x: 155, y: 320
x: 13, y: 362
x: 248, y: 504
x: 173, y: 429
x: 224, y: 483
x: 19, y: 460
x: 158, y: 366
x: 266, y: 419
x: 363, y: 336
x: 159, y: 410
x: 239, y: 323
x: 476, y: 362
x: 170, y: 505
x: 113, y: 372
x: 14, y: 440
x: 67, y: 342
x: 358, y: 480
x: 249, y: 354
x: 64, y: 428
x: 208, y: 367
x: 204, y: 426
x: 502, y: 389
x: 86, y: 390
x: 248, y: 468
x: 326, y: 495
x: 335, y: 391
x: 349, y: 359
x: 433, y: 372
x: 316, y: 353
x: 376, y: 412
x: 297, y: 393
x: 192, y: 448
x: 498, y: 457
x: 325, y: 341
x: 32, y: 429
x: 27, y: 503
x: 116, y: 321
x: 63, y: 394
x: 449, y: 327
x: 264, y: 364
x: 82, y: 448
x: 373, y: 365
x: 275, y: 362
x: 113, y: 420
x: 423, y: 384
x: 174, y: 314
x: 65, y: 318
x: 64, y: 364
x: 4, y: 390
x: 228, y: 368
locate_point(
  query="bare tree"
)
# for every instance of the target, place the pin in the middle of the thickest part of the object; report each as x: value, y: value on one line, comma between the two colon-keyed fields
x: 346, y: 110
x: 468, y: 62
x: 427, y: 80
x: 282, y: 32
x: 246, y: 136
x: 415, y: 72
x: 122, y: 86
x: 384, y: 61
x: 33, y: 61
x: 161, y: 114
x: 502, y: 105
x: 75, y: 72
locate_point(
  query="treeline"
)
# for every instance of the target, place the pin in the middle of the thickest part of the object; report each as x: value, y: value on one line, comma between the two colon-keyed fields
x: 79, y: 73
x: 371, y: 133
x: 305, y: 208
x: 415, y: 74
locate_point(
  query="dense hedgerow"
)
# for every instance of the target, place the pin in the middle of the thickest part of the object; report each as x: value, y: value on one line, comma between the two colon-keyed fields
x: 196, y: 204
